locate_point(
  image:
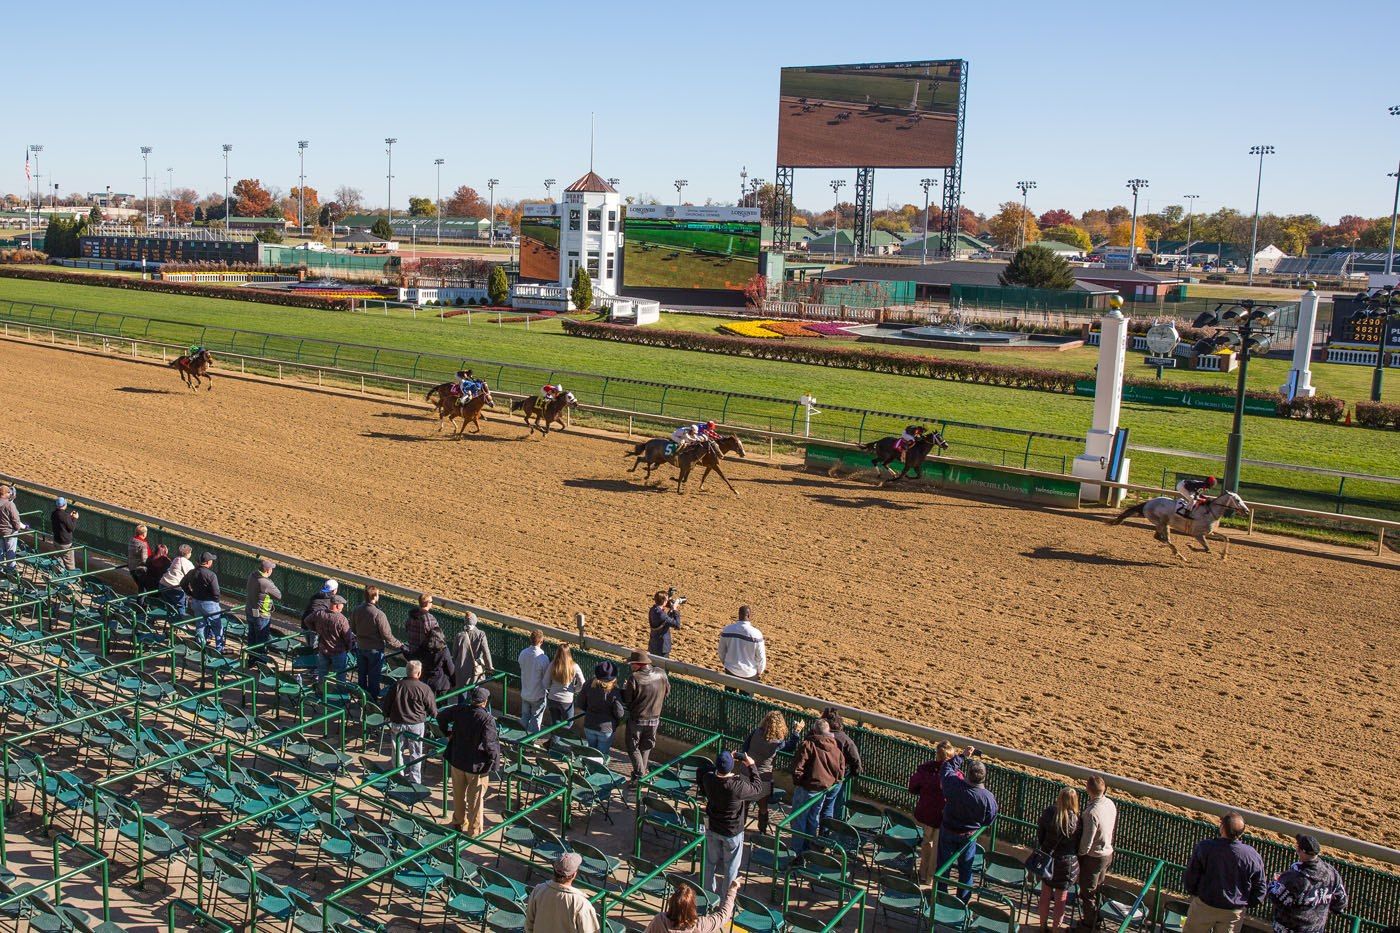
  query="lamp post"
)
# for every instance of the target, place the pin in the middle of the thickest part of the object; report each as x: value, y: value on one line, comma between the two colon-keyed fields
x: 301, y: 191
x: 36, y: 149
x: 1190, y: 209
x: 1137, y: 184
x: 389, y: 152
x: 1380, y: 306
x: 491, y: 184
x: 1246, y: 326
x: 743, y: 183
x: 437, y: 163
x: 926, y: 184
x: 836, y: 185
x: 146, y: 179
x: 1394, y: 208
x: 170, y: 192
x: 227, y: 147
x: 1025, y: 187
x: 680, y: 184
x: 1260, y: 151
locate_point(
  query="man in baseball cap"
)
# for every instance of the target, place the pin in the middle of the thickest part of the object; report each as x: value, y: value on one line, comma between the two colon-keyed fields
x: 473, y: 751
x: 558, y: 906
x: 1307, y: 892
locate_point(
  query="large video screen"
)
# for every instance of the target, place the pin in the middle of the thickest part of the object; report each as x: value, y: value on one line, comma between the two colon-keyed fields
x: 669, y: 246
x: 899, y: 115
x: 539, y: 243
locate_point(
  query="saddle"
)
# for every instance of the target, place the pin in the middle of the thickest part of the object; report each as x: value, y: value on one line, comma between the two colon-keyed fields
x: 670, y: 449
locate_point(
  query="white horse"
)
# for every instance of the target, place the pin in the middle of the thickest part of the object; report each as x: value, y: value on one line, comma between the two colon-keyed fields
x: 1200, y: 524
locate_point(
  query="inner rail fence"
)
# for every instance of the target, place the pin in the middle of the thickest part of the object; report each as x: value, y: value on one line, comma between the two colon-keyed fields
x: 1281, y: 484
x: 1153, y: 824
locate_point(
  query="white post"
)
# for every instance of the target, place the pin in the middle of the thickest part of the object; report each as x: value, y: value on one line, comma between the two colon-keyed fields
x: 1108, y: 401
x: 1299, y: 384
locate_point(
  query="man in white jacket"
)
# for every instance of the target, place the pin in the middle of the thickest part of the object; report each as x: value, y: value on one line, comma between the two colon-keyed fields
x: 741, y: 649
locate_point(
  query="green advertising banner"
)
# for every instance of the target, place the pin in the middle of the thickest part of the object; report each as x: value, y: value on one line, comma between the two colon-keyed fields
x: 1152, y: 395
x: 977, y: 480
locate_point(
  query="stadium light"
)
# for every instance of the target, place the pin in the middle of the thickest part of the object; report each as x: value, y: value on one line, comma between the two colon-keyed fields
x: 1025, y: 187
x: 438, y: 164
x: 491, y: 184
x: 1137, y: 184
x: 1260, y: 151
x: 743, y: 183
x: 227, y: 147
x: 169, y: 192
x: 1381, y: 306
x: 926, y: 184
x: 1190, y: 209
x: 836, y: 185
x: 301, y: 191
x: 1394, y: 209
x: 680, y: 184
x: 389, y: 151
x: 146, y: 179
x: 1246, y: 327
x: 548, y: 183
x: 614, y: 181
x: 36, y: 149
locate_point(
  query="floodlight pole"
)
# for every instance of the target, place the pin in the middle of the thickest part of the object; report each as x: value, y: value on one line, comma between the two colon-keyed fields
x: 1136, y: 184
x: 680, y: 185
x: 227, y: 147
x: 438, y: 164
x: 743, y: 183
x: 301, y: 191
x: 1025, y: 187
x: 170, y: 191
x: 491, y: 184
x: 925, y: 183
x: 389, y: 152
x: 1260, y: 151
x: 1190, y: 210
x: 1394, y: 207
x: 146, y: 179
x: 836, y: 185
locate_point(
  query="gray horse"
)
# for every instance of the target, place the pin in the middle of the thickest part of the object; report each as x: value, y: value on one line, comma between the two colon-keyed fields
x: 1200, y: 524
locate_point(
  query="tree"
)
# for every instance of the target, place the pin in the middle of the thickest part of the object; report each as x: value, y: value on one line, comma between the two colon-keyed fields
x: 465, y: 202
x: 1121, y: 231
x: 1059, y: 217
x: 95, y: 215
x: 422, y: 207
x: 582, y: 292
x: 291, y: 202
x: 184, y: 212
x: 1375, y: 236
x: 498, y: 287
x: 1006, y: 227
x: 1070, y: 234
x: 351, y: 200
x: 269, y: 235
x: 756, y: 292
x: 199, y: 213
x: 382, y: 229
x: 323, y: 219
x: 1037, y: 267
x: 766, y: 198
x: 251, y: 199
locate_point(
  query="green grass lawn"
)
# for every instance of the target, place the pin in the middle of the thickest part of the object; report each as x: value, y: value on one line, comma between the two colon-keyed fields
x: 543, y: 344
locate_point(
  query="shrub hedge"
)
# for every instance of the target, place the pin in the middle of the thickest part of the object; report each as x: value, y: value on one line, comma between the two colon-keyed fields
x: 1378, y: 415
x: 286, y: 299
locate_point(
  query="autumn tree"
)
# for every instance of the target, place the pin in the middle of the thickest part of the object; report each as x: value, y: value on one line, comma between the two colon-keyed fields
x: 756, y: 292
x: 1069, y: 234
x: 1118, y: 236
x: 251, y: 199
x: 1009, y: 224
x: 767, y: 199
x: 1056, y: 218
x: 185, y: 212
x: 421, y: 207
x: 1037, y: 267
x: 465, y: 202
x: 1377, y: 234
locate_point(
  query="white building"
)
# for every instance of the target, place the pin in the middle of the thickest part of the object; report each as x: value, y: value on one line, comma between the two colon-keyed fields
x: 590, y: 233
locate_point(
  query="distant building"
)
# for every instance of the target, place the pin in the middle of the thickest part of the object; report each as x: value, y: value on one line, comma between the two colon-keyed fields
x: 882, y: 242
x: 365, y: 242
x: 255, y: 224
x: 425, y: 229
x: 967, y: 245
x: 971, y: 282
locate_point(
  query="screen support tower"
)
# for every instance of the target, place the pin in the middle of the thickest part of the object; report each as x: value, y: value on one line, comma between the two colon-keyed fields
x: 865, y: 206
x: 952, y: 180
x: 782, y: 208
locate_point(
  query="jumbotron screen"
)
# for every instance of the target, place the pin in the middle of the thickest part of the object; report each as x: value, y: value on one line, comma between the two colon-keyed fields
x: 539, y: 242
x: 897, y: 115
x: 671, y: 246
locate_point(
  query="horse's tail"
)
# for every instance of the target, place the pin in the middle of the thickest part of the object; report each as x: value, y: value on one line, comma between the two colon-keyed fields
x: 871, y: 446
x: 1129, y: 513
x: 431, y: 392
x: 518, y: 404
x: 175, y: 363
x: 637, y: 450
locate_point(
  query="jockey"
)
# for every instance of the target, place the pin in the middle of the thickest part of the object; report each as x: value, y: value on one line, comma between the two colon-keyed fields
x: 909, y: 438
x: 699, y: 432
x: 551, y: 392
x: 467, y: 384
x: 194, y: 351
x: 1189, y: 492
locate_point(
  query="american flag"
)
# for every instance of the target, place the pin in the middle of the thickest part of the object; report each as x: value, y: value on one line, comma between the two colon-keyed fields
x: 27, y: 176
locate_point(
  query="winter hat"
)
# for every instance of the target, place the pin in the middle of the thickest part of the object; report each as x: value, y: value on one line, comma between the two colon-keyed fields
x: 724, y: 762
x: 605, y: 670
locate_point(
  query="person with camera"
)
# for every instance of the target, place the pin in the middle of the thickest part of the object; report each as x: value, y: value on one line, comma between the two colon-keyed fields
x: 664, y: 616
x: 62, y: 521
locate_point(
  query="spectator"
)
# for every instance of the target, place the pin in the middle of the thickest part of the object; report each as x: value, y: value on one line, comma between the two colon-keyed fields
x: 602, y: 706
x: 741, y: 650
x: 156, y: 567
x: 170, y: 582
x: 534, y: 681
x: 473, y: 752
x: 644, y: 695
x: 559, y: 907
x: 62, y: 520
x: 853, y: 764
x: 408, y: 705
x: 565, y: 681
x: 728, y: 791
x: 437, y: 662
x: 372, y: 636
x: 1307, y: 892
x: 319, y: 603
x: 259, y: 595
x: 333, y: 639
x: 763, y: 744
x: 682, y: 916
x: 138, y: 551
x: 927, y: 783
x: 420, y: 622
x: 1225, y: 877
x: 968, y: 806
x: 10, y: 523
x: 817, y: 767
x: 663, y: 616
x: 202, y: 586
x: 1057, y: 835
x: 471, y: 656
x: 1096, y: 827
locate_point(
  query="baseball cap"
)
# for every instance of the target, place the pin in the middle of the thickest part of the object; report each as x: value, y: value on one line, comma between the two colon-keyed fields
x: 481, y: 695
x: 724, y: 762
x: 61, y: 502
x: 1308, y: 844
x: 568, y: 863
x: 330, y: 586
x: 206, y: 557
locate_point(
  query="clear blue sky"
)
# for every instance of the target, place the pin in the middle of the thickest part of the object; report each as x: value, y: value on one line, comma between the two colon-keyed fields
x: 1078, y: 97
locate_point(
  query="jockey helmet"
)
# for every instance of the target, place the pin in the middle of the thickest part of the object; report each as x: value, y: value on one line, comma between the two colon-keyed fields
x: 1210, y: 482
x: 709, y: 425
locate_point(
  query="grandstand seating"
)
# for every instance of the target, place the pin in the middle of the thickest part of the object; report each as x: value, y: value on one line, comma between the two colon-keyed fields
x: 147, y: 778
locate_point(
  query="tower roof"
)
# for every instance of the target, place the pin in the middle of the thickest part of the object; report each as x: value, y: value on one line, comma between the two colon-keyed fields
x: 591, y: 182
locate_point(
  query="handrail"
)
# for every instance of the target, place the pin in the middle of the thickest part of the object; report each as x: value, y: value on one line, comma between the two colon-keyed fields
x: 1142, y: 895
x: 1170, y: 796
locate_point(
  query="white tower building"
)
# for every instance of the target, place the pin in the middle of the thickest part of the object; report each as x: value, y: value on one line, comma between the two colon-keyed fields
x: 590, y: 233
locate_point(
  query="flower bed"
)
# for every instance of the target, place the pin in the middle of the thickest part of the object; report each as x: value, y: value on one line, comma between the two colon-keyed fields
x: 826, y: 328
x: 789, y: 328
x: 753, y: 329
x: 232, y: 293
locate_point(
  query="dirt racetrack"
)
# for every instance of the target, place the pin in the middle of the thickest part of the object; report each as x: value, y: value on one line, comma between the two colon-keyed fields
x: 1266, y: 682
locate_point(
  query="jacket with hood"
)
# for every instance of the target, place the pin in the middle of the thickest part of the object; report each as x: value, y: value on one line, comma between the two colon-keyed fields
x: 1304, y: 895
x: 818, y: 763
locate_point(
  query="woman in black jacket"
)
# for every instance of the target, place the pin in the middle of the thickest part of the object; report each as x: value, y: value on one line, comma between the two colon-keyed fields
x: 1058, y: 837
x: 602, y: 707
x: 438, y: 668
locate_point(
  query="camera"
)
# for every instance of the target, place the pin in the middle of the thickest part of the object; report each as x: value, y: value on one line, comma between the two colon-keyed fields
x: 673, y: 599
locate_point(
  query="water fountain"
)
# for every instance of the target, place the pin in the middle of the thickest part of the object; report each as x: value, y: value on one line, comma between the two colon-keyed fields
x: 954, y: 332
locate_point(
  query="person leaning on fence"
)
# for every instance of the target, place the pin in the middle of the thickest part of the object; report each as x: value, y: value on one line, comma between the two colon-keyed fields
x: 662, y: 618
x: 372, y: 636
x: 644, y: 695
x: 556, y: 906
x: 419, y: 623
x: 767, y: 740
x: 259, y: 595
x: 926, y: 783
x: 1225, y: 877
x: 968, y: 806
x: 603, y: 712
x: 169, y: 583
x: 471, y: 655
x: 565, y: 682
x: 408, y: 705
x: 318, y: 603
x: 1057, y: 836
x: 817, y: 767
x: 1307, y: 892
x: 473, y: 752
x: 62, y: 521
x: 1097, y: 824
x: 334, y: 639
x: 534, y: 683
x: 437, y: 662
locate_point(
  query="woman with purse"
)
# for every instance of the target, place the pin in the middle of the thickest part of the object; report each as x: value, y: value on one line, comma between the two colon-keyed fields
x: 1056, y: 858
x: 602, y: 706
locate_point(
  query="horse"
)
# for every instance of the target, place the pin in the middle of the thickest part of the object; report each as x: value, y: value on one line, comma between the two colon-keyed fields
x: 450, y: 406
x: 651, y: 454
x: 707, y: 454
x: 1200, y: 524
x: 545, y: 412
x: 194, y: 370
x: 886, y: 453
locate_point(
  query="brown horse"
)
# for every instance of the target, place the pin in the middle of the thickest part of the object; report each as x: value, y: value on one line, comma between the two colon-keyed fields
x: 545, y: 412
x: 708, y: 455
x: 651, y: 454
x: 195, y: 369
x: 450, y: 406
